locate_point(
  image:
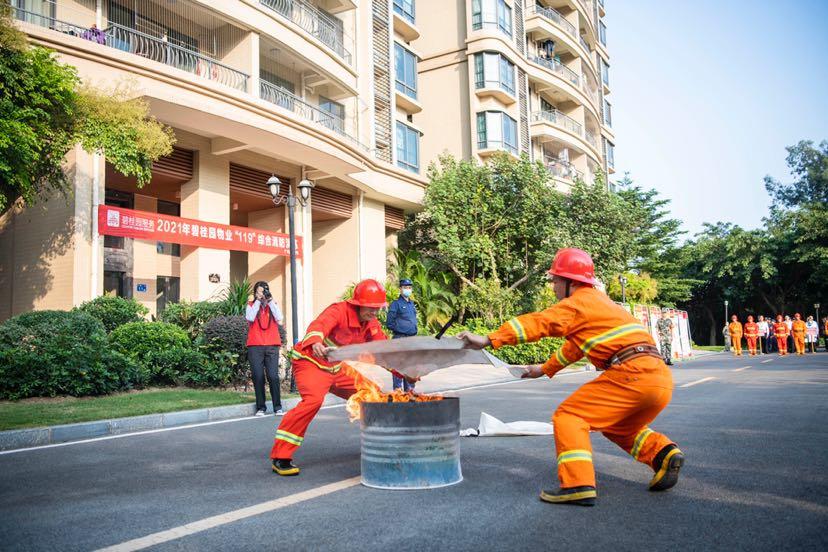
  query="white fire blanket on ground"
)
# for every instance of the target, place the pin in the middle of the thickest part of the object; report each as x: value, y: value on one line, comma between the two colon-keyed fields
x: 490, y: 426
x: 416, y: 356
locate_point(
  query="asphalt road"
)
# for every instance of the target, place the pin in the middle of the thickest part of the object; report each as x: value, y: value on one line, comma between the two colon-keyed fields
x: 755, y: 479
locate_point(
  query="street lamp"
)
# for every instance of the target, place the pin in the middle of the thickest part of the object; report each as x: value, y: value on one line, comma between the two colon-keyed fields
x: 725, y: 302
x: 818, y: 321
x: 305, y: 187
x: 623, y: 280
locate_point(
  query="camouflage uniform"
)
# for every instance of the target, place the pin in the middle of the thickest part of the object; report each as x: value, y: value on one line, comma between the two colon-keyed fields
x: 665, y: 334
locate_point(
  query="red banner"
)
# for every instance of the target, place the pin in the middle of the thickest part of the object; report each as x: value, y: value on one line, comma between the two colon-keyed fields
x: 143, y: 225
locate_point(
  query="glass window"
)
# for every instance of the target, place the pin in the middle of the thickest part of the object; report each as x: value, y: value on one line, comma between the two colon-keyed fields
x: 174, y: 210
x: 167, y: 290
x: 493, y: 70
x: 602, y: 33
x: 607, y: 113
x: 496, y: 130
x: 333, y: 116
x: 116, y: 198
x: 493, y: 14
x: 604, y: 71
x: 610, y: 154
x: 113, y: 283
x: 408, y: 148
x: 405, y: 8
x: 405, y: 67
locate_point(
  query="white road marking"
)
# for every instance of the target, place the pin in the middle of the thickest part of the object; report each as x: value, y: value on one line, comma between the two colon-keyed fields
x: 740, y: 369
x: 692, y: 383
x: 229, y: 517
x: 247, y: 418
x: 769, y: 360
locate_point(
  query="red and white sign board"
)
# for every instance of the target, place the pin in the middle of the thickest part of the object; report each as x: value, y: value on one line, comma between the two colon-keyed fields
x: 143, y: 225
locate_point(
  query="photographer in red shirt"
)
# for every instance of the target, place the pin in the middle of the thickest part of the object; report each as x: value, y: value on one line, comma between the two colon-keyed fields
x: 263, y: 341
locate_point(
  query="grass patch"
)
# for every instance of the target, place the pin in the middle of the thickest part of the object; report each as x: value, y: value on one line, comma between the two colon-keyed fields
x: 714, y: 348
x: 67, y: 410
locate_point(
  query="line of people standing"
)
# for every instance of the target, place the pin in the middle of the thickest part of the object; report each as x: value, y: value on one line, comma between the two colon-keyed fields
x: 782, y: 335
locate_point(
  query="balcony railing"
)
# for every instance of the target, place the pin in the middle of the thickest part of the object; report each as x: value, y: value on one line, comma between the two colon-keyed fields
x: 557, y: 67
x: 562, y: 169
x: 584, y: 43
x: 554, y: 16
x: 318, y: 24
x: 559, y: 119
x: 146, y: 46
x: 281, y: 97
x: 592, y: 138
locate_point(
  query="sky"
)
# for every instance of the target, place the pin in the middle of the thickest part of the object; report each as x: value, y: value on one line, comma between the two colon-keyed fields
x: 706, y: 95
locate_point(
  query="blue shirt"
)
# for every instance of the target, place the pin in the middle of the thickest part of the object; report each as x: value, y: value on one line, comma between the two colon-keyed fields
x: 402, y: 318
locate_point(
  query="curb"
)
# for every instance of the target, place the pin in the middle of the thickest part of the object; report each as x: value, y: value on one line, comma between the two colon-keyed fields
x: 35, y: 437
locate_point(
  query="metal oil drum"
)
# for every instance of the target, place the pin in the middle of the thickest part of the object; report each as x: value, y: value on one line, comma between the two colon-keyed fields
x: 411, y: 445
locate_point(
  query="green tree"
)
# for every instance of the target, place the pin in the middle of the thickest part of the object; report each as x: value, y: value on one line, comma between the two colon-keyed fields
x: 45, y: 111
x: 640, y: 288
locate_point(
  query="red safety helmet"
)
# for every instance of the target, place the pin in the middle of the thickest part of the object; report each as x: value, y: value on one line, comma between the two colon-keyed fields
x: 369, y: 293
x: 574, y: 264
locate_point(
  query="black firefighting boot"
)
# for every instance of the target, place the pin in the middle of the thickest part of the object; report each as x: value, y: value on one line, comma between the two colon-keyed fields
x: 667, y: 464
x: 577, y: 496
x: 285, y: 467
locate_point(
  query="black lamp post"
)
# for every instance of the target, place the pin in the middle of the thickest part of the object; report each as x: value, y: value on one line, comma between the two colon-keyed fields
x: 623, y: 280
x: 305, y: 187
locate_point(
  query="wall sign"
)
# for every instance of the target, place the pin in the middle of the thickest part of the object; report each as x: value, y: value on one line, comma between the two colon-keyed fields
x: 141, y: 288
x: 214, y: 278
x: 143, y: 225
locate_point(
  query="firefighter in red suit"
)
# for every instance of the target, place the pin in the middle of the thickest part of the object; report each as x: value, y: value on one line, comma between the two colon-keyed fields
x: 344, y: 323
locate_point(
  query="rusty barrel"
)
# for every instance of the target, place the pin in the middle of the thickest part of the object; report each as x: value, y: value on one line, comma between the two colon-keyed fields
x: 413, y: 445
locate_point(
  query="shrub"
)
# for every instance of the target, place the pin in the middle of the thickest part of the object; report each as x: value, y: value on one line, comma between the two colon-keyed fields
x: 525, y: 353
x: 180, y: 366
x: 114, y: 311
x: 50, y: 353
x: 160, y: 349
x: 226, y: 337
x: 192, y: 315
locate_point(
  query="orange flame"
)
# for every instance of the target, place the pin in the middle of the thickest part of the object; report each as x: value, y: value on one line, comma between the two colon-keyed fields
x: 368, y: 391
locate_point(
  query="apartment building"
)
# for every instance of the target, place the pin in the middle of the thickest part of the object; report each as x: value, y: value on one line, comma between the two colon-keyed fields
x: 522, y: 76
x: 321, y: 90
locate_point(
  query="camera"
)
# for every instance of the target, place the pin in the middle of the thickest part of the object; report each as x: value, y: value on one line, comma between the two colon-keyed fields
x: 266, y: 291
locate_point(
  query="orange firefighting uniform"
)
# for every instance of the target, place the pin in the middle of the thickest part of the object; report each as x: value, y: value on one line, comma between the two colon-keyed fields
x: 751, y: 334
x: 780, y: 330
x: 798, y: 330
x: 337, y: 325
x: 620, y: 402
x: 735, y: 329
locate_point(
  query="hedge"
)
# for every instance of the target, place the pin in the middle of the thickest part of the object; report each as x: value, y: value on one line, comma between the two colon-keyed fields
x: 525, y: 353
x: 161, y: 350
x: 114, y: 311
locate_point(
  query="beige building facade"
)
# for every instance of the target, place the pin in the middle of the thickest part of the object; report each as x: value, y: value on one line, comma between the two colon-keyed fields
x: 251, y: 88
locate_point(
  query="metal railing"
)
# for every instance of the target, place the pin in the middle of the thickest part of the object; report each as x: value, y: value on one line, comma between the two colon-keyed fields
x: 562, y: 169
x: 277, y: 95
x: 156, y: 49
x: 554, y: 16
x: 316, y: 23
x: 584, y: 43
x: 592, y: 138
x: 42, y: 20
x: 557, y: 67
x: 558, y: 119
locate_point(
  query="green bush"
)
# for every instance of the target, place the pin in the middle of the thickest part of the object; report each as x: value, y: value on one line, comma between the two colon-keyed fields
x: 160, y: 349
x: 525, y: 353
x: 114, y: 311
x: 50, y: 353
x: 226, y: 337
x: 192, y: 315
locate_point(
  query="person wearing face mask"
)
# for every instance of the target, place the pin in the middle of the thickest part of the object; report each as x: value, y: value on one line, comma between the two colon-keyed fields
x: 402, y: 321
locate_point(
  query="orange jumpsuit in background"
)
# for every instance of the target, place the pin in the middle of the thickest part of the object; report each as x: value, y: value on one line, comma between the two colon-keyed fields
x: 620, y: 402
x: 798, y: 330
x: 751, y: 335
x: 780, y: 331
x: 338, y: 325
x: 735, y: 329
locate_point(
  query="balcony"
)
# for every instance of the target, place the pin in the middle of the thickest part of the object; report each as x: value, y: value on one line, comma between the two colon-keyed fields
x: 561, y: 169
x: 310, y: 113
x: 159, y: 49
x: 554, y: 126
x: 541, y: 20
x: 555, y: 17
x: 318, y: 24
x: 404, y: 20
x: 558, y: 68
x: 560, y: 120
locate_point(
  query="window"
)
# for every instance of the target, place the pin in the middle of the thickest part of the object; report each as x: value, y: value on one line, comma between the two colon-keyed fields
x: 406, y: 9
x: 607, y: 113
x: 494, y: 71
x: 116, y: 198
x: 174, y: 210
x: 113, y: 283
x: 282, y: 91
x: 604, y: 71
x: 333, y: 114
x: 610, y: 154
x: 405, y: 67
x: 492, y: 14
x: 546, y: 106
x: 167, y: 290
x: 408, y: 148
x: 602, y: 33
x: 496, y: 130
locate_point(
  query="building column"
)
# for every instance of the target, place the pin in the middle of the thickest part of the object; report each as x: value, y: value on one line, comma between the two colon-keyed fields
x: 145, y: 260
x: 372, y: 239
x: 206, y: 197
x: 87, y: 176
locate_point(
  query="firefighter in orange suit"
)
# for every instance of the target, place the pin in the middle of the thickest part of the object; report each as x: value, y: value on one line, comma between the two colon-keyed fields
x: 751, y: 335
x: 635, y: 386
x: 780, y: 331
x: 735, y: 329
x: 798, y: 329
x: 344, y: 323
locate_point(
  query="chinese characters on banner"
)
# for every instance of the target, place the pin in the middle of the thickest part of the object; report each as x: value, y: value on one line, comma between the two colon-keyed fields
x: 143, y: 225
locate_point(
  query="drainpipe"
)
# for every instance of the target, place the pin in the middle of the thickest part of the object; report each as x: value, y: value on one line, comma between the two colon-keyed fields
x: 96, y: 166
x: 360, y: 235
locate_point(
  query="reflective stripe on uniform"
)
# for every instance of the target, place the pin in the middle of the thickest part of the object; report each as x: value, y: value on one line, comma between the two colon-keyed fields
x: 332, y: 369
x: 611, y: 335
x: 309, y: 335
x: 519, y: 331
x: 640, y: 437
x: 288, y: 437
x: 329, y: 342
x: 575, y: 455
x: 562, y: 360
